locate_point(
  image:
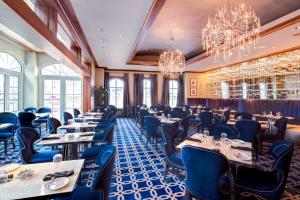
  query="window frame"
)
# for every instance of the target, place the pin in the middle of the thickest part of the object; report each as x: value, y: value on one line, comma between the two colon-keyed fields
x: 224, y: 95
x: 173, y: 104
x: 116, y: 78
x: 144, y: 92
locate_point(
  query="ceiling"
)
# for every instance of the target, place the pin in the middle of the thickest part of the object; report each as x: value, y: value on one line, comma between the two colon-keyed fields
x: 112, y: 28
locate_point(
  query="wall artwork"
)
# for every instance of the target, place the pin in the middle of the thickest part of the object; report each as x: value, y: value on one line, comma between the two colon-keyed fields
x: 193, y: 92
x: 193, y: 82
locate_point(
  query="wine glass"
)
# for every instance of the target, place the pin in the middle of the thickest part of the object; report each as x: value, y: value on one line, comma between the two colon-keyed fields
x: 206, y: 132
x: 223, y: 136
x: 57, y: 159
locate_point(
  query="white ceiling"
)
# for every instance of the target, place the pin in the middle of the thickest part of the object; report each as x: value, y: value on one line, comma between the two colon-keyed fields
x: 126, y: 17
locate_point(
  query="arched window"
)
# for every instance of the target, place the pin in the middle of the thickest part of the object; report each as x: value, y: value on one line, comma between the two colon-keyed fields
x: 116, y: 92
x: 61, y: 89
x: 10, y: 75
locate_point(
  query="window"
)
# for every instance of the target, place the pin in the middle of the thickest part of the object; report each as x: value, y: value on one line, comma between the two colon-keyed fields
x: 116, y: 92
x: 62, y: 89
x: 62, y: 33
x: 10, y: 75
x: 263, y: 90
x: 173, y: 92
x: 147, y: 92
x: 224, y: 90
x: 244, y: 90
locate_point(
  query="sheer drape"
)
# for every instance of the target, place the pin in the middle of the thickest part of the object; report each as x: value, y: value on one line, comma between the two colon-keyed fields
x: 106, y: 86
x: 138, y: 86
x: 165, y: 95
x: 180, y: 94
x: 153, y: 79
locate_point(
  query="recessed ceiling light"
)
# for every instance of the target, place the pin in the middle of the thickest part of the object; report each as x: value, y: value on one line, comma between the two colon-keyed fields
x: 120, y: 35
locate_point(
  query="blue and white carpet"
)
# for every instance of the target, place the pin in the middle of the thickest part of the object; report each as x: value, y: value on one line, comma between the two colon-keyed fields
x: 139, y: 170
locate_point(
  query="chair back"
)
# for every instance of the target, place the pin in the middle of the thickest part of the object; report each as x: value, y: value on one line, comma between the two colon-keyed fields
x: 169, y: 133
x: 113, y: 109
x: 26, y: 137
x: 152, y: 125
x: 226, y: 116
x: 281, y: 125
x: 206, y: 109
x: 167, y: 110
x: 53, y: 124
x: 206, y: 119
x: 44, y: 110
x: 216, y: 120
x: 248, y: 130
x: 217, y: 130
x: 26, y: 119
x: 8, y: 117
x: 142, y: 114
x: 109, y: 133
x: 244, y: 115
x: 67, y: 117
x: 76, y: 112
x: 30, y: 109
x: 185, y: 124
x: 105, y: 160
x: 207, y: 173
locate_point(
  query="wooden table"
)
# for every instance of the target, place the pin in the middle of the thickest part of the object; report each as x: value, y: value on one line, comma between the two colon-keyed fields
x: 227, y: 151
x: 274, y: 117
x: 153, y: 112
x: 35, y: 186
x: 78, y: 126
x: 90, y: 114
x: 165, y: 120
x: 88, y: 118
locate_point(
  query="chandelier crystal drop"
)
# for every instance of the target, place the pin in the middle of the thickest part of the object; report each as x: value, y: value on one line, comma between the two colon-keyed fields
x: 171, y: 62
x: 232, y: 31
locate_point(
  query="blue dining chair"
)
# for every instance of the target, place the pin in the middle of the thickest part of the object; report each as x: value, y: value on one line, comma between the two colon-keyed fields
x: 53, y: 125
x: 176, y: 112
x: 184, y: 126
x: 268, y: 184
x: 67, y: 116
x: 206, y: 119
x: 172, y: 155
x: 142, y: 114
x: 101, y: 185
x: 42, y: 120
x: 248, y: 131
x: 26, y: 137
x: 26, y: 119
x: 208, y: 174
x: 152, y: 129
x: 76, y: 112
x: 30, y: 109
x: 217, y: 130
x: 244, y: 115
x: 7, y: 132
x: 226, y: 116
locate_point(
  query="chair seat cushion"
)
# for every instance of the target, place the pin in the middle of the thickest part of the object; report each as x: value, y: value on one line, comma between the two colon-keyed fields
x: 45, y: 156
x: 82, y: 193
x: 6, y: 135
x: 176, y: 158
x: 99, y: 135
x: 91, y: 153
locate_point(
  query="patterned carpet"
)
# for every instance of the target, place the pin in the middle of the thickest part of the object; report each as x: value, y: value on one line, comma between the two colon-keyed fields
x: 139, y: 171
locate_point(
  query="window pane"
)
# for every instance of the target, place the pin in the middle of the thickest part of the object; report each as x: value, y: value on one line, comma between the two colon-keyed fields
x: 225, y: 90
x: 13, y: 95
x: 52, y: 96
x: 147, y: 92
x: 2, y: 92
x: 73, y: 95
x: 9, y: 62
x: 173, y: 92
x: 116, y: 92
x: 58, y: 70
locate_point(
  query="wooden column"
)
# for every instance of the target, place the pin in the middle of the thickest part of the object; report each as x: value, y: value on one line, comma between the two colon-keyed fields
x: 87, y: 93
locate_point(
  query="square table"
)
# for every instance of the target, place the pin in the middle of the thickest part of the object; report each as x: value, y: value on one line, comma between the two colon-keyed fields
x: 229, y: 153
x: 35, y: 187
x: 165, y: 120
x: 78, y: 126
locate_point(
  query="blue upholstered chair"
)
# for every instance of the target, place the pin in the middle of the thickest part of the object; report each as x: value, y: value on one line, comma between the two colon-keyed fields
x: 176, y: 112
x: 244, y: 115
x: 91, y: 153
x: 26, y: 138
x: 216, y: 120
x: 142, y: 114
x: 152, y: 129
x: 208, y: 174
x: 273, y: 135
x: 217, y: 130
x: 42, y: 120
x: 172, y: 155
x: 26, y: 119
x: 248, y: 131
x: 268, y: 184
x: 113, y: 109
x: 206, y: 109
x: 30, y: 109
x: 205, y: 120
x: 101, y: 185
x: 76, y: 112
x: 53, y: 125
x: 167, y: 110
x: 184, y: 126
x: 226, y: 116
x: 7, y: 131
x: 67, y: 116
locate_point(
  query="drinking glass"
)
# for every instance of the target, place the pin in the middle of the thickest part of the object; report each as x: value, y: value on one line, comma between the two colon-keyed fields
x: 163, y: 114
x: 57, y: 159
x: 169, y: 116
x: 206, y: 132
x: 223, y: 136
x: 254, y: 118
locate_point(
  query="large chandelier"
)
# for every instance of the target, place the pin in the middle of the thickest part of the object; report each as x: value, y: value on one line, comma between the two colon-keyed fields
x: 171, y: 62
x: 232, y: 31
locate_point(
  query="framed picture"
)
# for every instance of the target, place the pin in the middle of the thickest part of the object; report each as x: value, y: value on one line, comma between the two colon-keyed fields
x: 193, y: 92
x: 193, y: 82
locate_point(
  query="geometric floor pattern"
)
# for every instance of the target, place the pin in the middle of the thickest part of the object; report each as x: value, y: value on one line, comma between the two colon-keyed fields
x: 139, y: 170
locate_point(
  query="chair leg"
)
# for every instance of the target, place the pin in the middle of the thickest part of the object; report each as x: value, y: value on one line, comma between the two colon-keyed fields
x: 13, y: 143
x: 187, y: 195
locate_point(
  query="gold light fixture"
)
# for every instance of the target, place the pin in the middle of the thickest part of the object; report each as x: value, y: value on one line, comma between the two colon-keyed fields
x: 232, y: 31
x: 172, y: 62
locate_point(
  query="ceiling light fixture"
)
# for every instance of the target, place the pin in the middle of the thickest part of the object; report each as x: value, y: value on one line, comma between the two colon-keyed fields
x: 297, y: 27
x: 171, y: 62
x: 233, y: 30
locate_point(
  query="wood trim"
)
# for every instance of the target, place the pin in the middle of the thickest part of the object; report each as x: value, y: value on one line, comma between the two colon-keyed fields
x: 151, y: 16
x: 268, y: 31
x: 67, y: 13
x: 23, y: 10
x: 127, y: 70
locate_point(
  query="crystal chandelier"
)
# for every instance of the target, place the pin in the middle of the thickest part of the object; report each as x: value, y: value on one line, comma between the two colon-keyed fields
x: 171, y: 63
x: 233, y: 30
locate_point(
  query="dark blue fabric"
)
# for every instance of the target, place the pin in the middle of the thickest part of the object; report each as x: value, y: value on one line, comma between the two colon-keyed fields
x: 6, y: 135
x: 30, y: 109
x: 248, y: 130
x: 217, y: 130
x: 43, y: 119
x: 11, y: 118
x: 91, y: 153
x: 26, y: 119
x: 176, y: 158
x: 244, y: 115
x: 53, y: 124
x: 76, y: 112
x: 152, y: 126
x: 46, y: 156
x: 67, y: 117
x: 205, y: 119
x: 142, y: 114
x: 82, y: 193
x: 204, y: 171
x: 185, y: 125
